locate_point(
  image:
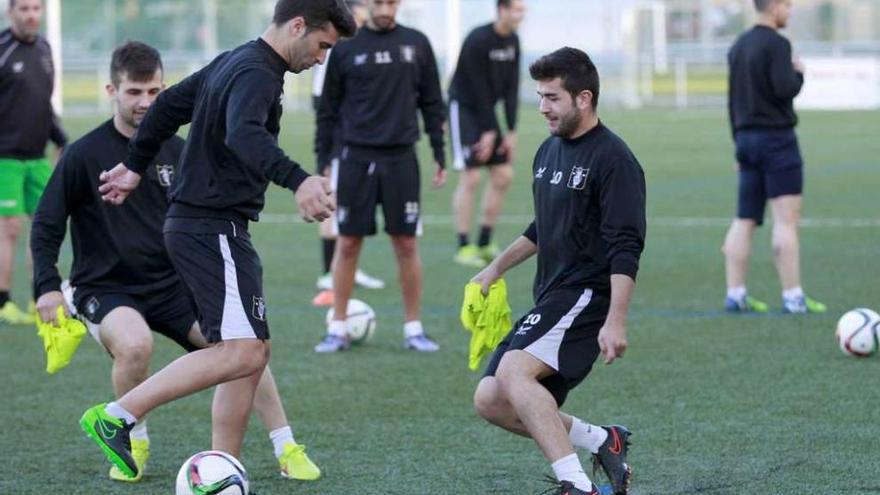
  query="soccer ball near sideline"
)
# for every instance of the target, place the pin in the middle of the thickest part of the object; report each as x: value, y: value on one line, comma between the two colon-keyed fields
x: 212, y: 473
x: 857, y: 332
x: 360, y: 321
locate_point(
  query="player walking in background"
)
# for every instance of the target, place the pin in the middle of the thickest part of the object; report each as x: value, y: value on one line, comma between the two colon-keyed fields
x: 488, y: 71
x: 230, y: 156
x: 374, y: 86
x: 327, y: 229
x: 122, y: 297
x: 27, y: 122
x: 764, y: 79
x: 588, y: 233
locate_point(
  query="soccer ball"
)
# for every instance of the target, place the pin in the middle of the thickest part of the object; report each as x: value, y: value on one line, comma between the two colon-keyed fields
x: 360, y: 322
x: 212, y: 473
x: 857, y: 332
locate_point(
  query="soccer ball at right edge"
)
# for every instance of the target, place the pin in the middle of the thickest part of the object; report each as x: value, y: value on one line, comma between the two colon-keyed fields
x: 360, y: 322
x: 857, y: 332
x: 212, y: 473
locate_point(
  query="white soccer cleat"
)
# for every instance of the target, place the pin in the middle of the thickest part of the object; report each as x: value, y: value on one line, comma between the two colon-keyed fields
x: 420, y: 343
x: 368, y: 282
x: 332, y: 343
x: 325, y: 282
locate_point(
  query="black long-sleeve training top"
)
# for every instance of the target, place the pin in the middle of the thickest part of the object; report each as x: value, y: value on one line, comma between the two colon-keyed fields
x: 762, y: 81
x: 589, y: 200
x: 374, y: 84
x: 27, y: 77
x: 231, y: 152
x: 487, y: 72
x: 119, y: 248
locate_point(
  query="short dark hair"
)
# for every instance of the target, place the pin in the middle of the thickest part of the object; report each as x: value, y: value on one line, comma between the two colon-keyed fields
x: 504, y: 3
x: 354, y: 3
x: 138, y: 61
x: 763, y: 5
x: 317, y: 13
x: 573, y: 66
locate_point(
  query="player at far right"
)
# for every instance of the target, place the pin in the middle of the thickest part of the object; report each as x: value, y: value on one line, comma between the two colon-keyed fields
x: 588, y: 233
x: 764, y: 79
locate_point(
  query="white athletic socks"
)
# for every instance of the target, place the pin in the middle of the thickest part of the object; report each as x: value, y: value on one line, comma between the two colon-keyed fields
x: 413, y: 328
x: 280, y: 437
x: 116, y: 410
x: 337, y: 328
x: 569, y: 469
x: 794, y: 294
x: 139, y: 432
x: 586, y: 436
x: 737, y: 293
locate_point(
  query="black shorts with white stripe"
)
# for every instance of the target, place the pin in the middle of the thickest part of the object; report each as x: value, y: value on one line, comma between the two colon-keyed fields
x: 562, y: 331
x: 465, y: 134
x: 221, y: 269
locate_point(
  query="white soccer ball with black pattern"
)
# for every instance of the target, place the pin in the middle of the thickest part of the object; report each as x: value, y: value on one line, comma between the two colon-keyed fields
x: 857, y: 332
x: 212, y: 473
x: 360, y: 322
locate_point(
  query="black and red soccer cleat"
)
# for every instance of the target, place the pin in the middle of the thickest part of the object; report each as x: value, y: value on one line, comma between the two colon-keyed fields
x: 612, y: 458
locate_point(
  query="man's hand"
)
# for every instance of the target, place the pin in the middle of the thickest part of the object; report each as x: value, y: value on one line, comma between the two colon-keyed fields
x: 485, y: 146
x: 799, y: 65
x: 612, y: 341
x: 47, y: 306
x: 118, y: 183
x: 315, y: 199
x: 508, y: 146
x: 439, y: 177
x: 486, y: 278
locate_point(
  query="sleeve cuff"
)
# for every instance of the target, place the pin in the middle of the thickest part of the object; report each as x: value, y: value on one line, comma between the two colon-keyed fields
x: 136, y: 164
x: 531, y: 233
x: 296, y: 178
x: 52, y: 284
x: 625, y: 265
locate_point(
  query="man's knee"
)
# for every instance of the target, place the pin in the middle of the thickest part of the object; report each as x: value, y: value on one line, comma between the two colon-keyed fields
x: 488, y: 399
x: 349, y: 247
x: 135, y: 351
x: 10, y: 228
x: 405, y: 246
x: 250, y: 355
x: 469, y: 180
x: 502, y: 176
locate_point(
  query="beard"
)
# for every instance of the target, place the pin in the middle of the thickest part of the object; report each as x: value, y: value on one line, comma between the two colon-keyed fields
x: 568, y: 124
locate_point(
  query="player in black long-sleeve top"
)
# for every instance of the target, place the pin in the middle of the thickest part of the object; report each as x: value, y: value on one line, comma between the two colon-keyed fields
x: 588, y: 233
x: 122, y: 280
x: 27, y: 122
x: 376, y: 84
x: 230, y: 156
x: 764, y: 80
x: 487, y: 72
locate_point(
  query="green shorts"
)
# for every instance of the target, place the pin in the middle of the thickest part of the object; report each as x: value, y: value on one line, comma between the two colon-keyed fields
x: 21, y: 185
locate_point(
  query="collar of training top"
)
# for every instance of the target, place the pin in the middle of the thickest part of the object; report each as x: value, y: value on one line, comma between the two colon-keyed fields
x: 275, y: 60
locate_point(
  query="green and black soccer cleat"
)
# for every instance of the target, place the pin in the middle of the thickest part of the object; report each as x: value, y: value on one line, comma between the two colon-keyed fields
x: 112, y: 435
x: 612, y: 458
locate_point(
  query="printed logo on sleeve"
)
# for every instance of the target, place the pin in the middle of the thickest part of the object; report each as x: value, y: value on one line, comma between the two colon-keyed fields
x: 165, y: 174
x: 259, y: 309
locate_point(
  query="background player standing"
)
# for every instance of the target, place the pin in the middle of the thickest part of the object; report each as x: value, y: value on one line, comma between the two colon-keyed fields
x: 122, y: 297
x: 488, y: 71
x: 588, y: 233
x: 231, y: 155
x: 375, y: 84
x: 327, y: 229
x: 764, y: 79
x: 27, y: 122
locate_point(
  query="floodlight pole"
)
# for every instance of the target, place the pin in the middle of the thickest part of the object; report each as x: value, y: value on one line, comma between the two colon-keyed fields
x: 209, y: 45
x: 53, y: 34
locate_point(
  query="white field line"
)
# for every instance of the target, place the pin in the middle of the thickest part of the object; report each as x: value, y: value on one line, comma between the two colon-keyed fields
x: 680, y: 222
